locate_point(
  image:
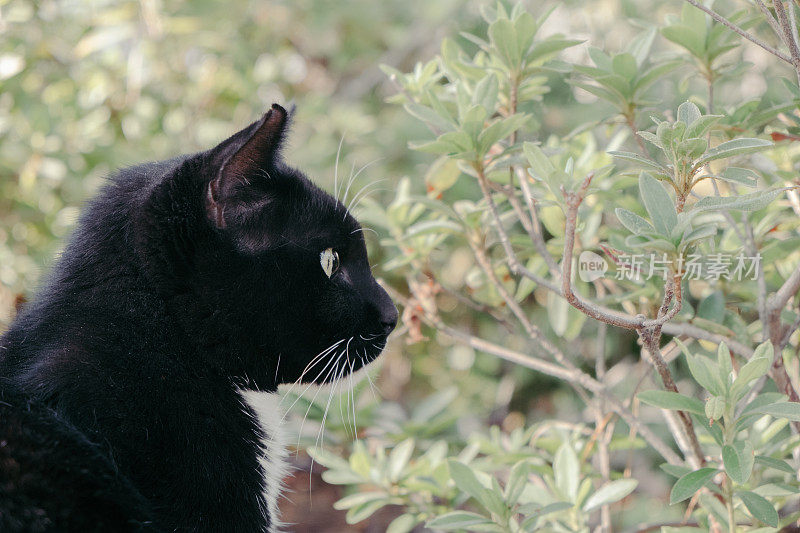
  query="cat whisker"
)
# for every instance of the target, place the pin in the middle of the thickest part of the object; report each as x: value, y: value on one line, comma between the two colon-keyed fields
x: 353, y: 178
x: 334, y: 370
x: 363, y: 189
x: 369, y: 379
x: 321, y: 432
x: 353, y: 398
x: 317, y: 357
x: 308, y: 367
x: 363, y: 229
x: 336, y: 171
x: 349, y: 184
x: 347, y: 393
x: 321, y: 435
x: 354, y: 203
x: 308, y: 387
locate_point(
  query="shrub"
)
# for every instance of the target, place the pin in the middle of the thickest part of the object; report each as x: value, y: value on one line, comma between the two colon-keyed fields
x: 696, y: 218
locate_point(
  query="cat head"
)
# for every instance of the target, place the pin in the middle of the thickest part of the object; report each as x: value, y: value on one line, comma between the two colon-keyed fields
x: 281, y: 274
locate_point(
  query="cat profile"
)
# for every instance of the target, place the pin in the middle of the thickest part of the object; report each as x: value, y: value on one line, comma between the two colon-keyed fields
x: 190, y: 289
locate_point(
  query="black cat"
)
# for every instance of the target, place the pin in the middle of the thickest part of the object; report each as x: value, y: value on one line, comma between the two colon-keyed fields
x: 133, y: 387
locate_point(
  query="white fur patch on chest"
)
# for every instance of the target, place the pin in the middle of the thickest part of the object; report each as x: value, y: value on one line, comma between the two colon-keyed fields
x: 272, y: 459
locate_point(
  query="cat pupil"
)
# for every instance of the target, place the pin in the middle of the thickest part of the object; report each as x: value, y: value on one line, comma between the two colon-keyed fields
x: 329, y: 260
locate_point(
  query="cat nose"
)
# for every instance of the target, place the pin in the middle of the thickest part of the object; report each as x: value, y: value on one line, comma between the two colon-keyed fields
x: 388, y: 318
x: 386, y: 311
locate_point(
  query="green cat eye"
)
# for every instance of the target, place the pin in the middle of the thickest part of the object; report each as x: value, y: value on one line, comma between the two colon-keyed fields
x: 329, y: 260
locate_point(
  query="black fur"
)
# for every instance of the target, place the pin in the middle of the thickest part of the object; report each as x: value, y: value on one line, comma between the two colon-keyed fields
x: 184, y: 281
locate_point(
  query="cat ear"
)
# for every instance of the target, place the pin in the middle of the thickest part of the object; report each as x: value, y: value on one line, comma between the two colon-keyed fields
x: 249, y: 153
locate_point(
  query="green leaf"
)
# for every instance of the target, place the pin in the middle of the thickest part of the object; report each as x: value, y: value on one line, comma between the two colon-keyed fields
x: 777, y: 464
x: 456, y: 520
x: 715, y: 430
x: 788, y: 410
x: 651, y: 138
x: 654, y: 73
x: 365, y: 510
x: 671, y: 400
x: 746, y: 202
x: 348, y: 502
x: 743, y: 176
x: 434, y: 405
x: 636, y: 158
x: 752, y: 370
x: 437, y: 123
x: 712, y: 307
x: 698, y: 234
x: 545, y: 50
x: 558, y: 313
x: 625, y: 65
x: 701, y: 126
x: 724, y: 362
x: 633, y: 222
x: 398, y: 459
x: 517, y: 480
x: 600, y: 58
x: 675, y: 471
x: 759, y: 507
x: 659, y: 205
x: 499, y: 130
x: 685, y: 37
x: 640, y: 46
x: 763, y: 399
x: 715, y: 407
x: 738, y: 460
x: 466, y: 480
x: 540, y: 164
x: 734, y: 147
x: 566, y: 470
x: 601, y: 92
x: 402, y: 524
x: 705, y: 373
x: 609, y: 493
x: 503, y: 36
x: 486, y: 91
x: 688, y: 113
x: 531, y: 522
x: 442, y: 174
x: 690, y: 483
x: 692, y: 148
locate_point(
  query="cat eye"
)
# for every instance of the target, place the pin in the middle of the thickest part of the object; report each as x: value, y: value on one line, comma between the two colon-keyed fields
x: 329, y: 260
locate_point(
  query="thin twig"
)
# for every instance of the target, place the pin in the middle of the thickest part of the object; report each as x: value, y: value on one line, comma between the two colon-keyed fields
x: 569, y: 375
x: 650, y: 342
x: 752, y: 38
x: 536, y: 226
x: 790, y: 287
x: 769, y: 18
x: 788, y: 36
x: 777, y: 333
x: 574, y: 376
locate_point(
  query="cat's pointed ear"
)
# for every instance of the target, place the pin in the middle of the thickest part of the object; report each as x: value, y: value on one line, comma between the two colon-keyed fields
x: 250, y: 153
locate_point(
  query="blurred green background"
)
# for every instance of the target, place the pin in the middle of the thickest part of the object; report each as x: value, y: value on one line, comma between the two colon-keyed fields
x: 90, y: 86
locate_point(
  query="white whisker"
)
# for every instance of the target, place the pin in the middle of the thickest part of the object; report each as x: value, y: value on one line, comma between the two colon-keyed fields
x: 336, y: 171
x: 313, y: 363
x: 353, y: 398
x: 352, y: 180
x: 363, y: 229
x: 311, y: 403
x: 311, y: 384
x: 362, y: 190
